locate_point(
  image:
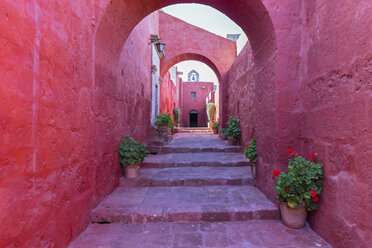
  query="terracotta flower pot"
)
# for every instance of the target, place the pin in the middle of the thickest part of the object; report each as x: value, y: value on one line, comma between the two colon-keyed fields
x: 131, y: 171
x: 164, y: 131
x: 223, y: 136
x: 293, y: 217
x: 215, y: 130
x: 232, y: 141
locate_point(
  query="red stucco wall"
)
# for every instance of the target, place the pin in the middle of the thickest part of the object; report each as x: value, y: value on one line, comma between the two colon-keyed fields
x: 168, y: 95
x: 325, y: 110
x: 197, y: 104
x: 60, y: 128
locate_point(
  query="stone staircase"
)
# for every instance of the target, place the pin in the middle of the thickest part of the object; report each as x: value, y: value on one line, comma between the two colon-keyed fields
x: 196, y: 192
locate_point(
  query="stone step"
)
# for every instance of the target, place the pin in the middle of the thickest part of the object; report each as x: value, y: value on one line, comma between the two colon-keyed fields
x: 242, y: 234
x: 195, y: 130
x: 191, y: 176
x: 191, y: 142
x: 175, y: 204
x: 215, y: 159
x: 157, y: 149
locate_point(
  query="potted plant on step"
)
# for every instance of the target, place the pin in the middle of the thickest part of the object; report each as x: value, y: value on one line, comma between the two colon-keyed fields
x: 233, y: 130
x: 215, y: 125
x: 131, y: 155
x: 250, y: 152
x: 177, y: 116
x: 211, y: 110
x: 299, y: 190
x: 164, y: 123
x: 222, y: 134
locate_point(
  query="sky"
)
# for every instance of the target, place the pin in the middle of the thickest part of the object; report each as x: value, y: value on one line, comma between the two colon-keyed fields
x: 209, y: 19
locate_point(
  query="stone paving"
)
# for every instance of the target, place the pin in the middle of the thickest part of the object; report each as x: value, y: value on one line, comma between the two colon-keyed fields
x: 247, y: 234
x: 191, y: 176
x: 198, y: 192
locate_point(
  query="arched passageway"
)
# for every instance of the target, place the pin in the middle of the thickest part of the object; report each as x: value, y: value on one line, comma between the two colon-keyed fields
x: 61, y: 106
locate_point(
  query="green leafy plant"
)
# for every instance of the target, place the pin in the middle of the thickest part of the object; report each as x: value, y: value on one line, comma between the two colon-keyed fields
x: 177, y: 115
x: 211, y: 110
x: 215, y: 124
x: 131, y: 151
x: 233, y: 127
x: 250, y: 151
x: 164, y: 120
x: 223, y: 130
x: 303, y: 183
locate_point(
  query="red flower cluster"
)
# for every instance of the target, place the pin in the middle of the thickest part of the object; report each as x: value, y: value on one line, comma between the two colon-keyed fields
x: 313, y: 192
x: 246, y: 145
x: 276, y: 173
x: 289, y: 151
x: 312, y: 155
x: 315, y: 199
x: 287, y: 189
x: 296, y: 153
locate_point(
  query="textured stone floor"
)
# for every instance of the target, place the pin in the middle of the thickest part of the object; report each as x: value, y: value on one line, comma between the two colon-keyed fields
x: 191, y: 176
x: 196, y: 159
x: 206, y: 203
x: 196, y: 192
x: 247, y: 234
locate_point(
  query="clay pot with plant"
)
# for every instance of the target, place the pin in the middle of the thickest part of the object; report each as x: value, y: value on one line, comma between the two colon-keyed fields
x: 215, y: 125
x: 177, y: 116
x: 211, y: 110
x: 299, y: 190
x: 250, y: 152
x: 131, y: 154
x: 233, y: 131
x: 164, y: 123
x: 222, y: 134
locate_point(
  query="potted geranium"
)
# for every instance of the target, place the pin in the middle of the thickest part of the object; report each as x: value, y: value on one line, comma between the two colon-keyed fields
x: 215, y: 125
x: 232, y: 130
x: 131, y: 155
x: 250, y: 152
x: 299, y: 190
x: 164, y: 123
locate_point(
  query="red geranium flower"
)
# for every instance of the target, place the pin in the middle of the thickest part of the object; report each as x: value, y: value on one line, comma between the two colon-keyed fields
x: 315, y: 199
x: 246, y: 145
x: 287, y: 189
x: 296, y: 153
x: 313, y: 192
x: 312, y: 155
x: 289, y: 151
x: 276, y: 173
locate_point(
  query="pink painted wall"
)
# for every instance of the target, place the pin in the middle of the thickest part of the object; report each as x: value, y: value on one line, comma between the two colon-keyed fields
x: 323, y: 106
x: 59, y: 127
x: 336, y: 87
x: 168, y: 95
x: 183, y: 40
x: 197, y: 104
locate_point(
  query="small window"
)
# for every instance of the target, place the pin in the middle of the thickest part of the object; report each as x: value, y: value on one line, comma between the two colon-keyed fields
x: 193, y: 95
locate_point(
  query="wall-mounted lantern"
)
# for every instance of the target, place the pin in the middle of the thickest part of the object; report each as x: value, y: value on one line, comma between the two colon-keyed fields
x: 160, y: 46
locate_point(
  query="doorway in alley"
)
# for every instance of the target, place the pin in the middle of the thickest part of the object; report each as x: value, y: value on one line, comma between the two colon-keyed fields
x: 193, y: 118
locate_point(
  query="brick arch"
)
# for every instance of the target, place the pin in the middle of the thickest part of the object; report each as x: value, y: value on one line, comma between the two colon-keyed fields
x: 190, y: 56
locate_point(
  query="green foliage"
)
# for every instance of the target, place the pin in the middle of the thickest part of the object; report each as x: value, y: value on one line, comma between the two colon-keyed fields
x: 211, y: 110
x: 233, y: 127
x: 250, y: 151
x: 223, y: 130
x: 215, y: 124
x: 131, y: 151
x: 164, y: 120
x: 177, y: 115
x: 303, y: 179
